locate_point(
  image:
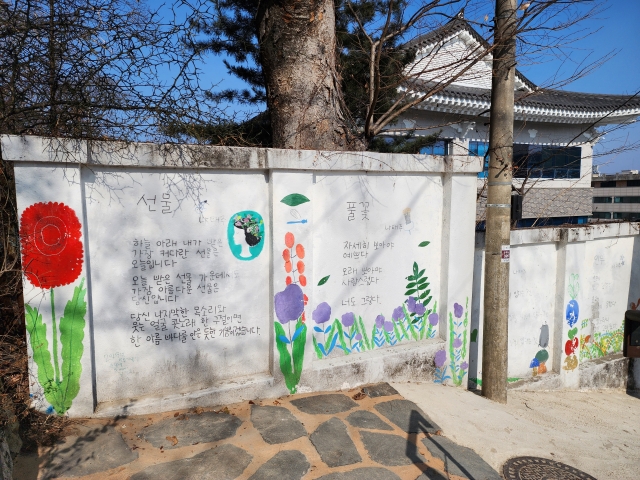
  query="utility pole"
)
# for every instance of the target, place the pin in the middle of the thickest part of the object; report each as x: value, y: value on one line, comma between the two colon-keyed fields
x: 498, y: 222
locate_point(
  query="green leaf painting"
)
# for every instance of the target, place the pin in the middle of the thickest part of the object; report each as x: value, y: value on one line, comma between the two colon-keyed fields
x: 323, y: 280
x: 71, y: 336
x: 294, y: 199
x: 60, y: 388
x: 424, y: 244
x: 291, y: 363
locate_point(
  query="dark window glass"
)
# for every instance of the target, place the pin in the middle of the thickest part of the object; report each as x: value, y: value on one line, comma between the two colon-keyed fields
x: 633, y: 216
x: 538, y: 161
x: 601, y: 199
x: 633, y: 183
x: 607, y: 184
x: 550, y: 221
x: 440, y: 147
x: 626, y: 199
x: 606, y: 215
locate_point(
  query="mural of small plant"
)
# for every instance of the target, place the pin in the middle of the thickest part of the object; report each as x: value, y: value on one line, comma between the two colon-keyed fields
x: 289, y: 254
x: 411, y: 321
x: 289, y: 307
x: 601, y: 344
x: 441, y: 369
x: 458, y: 342
x: 458, y: 366
x: 572, y: 315
x: 52, y: 256
x: 347, y: 334
x: 538, y: 364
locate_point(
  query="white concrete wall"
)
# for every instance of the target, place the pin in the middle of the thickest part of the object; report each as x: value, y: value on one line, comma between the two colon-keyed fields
x: 182, y: 311
x: 574, y: 283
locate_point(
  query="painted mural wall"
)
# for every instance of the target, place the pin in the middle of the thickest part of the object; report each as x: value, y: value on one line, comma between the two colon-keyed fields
x: 152, y: 285
x: 567, y: 300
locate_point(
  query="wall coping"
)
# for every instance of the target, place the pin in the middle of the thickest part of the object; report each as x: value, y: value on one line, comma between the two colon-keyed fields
x: 149, y: 155
x: 581, y: 233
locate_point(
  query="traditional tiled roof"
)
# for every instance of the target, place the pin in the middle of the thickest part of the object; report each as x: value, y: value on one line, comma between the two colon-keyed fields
x: 531, y: 102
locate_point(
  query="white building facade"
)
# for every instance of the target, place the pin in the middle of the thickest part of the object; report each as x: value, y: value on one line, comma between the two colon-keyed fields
x: 554, y: 130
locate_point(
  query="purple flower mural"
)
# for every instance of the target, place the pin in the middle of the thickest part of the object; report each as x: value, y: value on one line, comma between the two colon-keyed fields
x: 413, y: 319
x: 464, y: 365
x: 411, y: 304
x: 440, y: 358
x: 289, y: 304
x: 457, y: 310
x: 322, y: 313
x: 457, y: 343
x: 348, y: 319
x: 289, y: 307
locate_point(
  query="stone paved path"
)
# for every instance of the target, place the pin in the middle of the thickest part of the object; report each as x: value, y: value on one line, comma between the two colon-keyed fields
x: 366, y: 434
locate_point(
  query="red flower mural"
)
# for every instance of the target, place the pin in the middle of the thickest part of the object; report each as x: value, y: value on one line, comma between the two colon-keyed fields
x: 51, y: 246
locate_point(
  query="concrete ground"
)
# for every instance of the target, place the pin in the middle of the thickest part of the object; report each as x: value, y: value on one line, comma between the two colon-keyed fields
x: 597, y: 432
x: 369, y: 433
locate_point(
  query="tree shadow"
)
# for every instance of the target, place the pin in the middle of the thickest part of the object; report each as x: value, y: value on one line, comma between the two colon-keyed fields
x: 67, y: 456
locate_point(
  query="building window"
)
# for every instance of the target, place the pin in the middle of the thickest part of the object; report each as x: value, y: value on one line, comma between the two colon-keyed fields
x: 480, y: 149
x: 605, y: 215
x: 439, y: 147
x: 602, y: 200
x: 606, y: 184
x: 633, y: 183
x: 626, y: 199
x: 631, y: 216
x: 541, y: 161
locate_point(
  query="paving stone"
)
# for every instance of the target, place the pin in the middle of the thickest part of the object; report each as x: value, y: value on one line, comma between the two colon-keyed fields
x: 224, y: 462
x: 324, y: 404
x: 390, y: 450
x: 276, y: 424
x: 432, y: 474
x: 459, y: 460
x: 380, y: 390
x: 189, y: 429
x: 285, y: 465
x: 94, y: 450
x: 333, y: 443
x: 408, y: 416
x: 365, y: 473
x: 364, y: 419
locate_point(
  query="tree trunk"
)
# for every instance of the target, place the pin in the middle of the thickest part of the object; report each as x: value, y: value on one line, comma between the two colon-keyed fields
x: 298, y: 56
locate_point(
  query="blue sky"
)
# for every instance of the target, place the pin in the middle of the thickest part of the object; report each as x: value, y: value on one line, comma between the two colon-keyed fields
x: 619, y: 30
x: 616, y: 29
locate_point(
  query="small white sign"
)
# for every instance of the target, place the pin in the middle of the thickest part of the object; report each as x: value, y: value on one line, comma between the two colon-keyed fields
x: 506, y: 253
